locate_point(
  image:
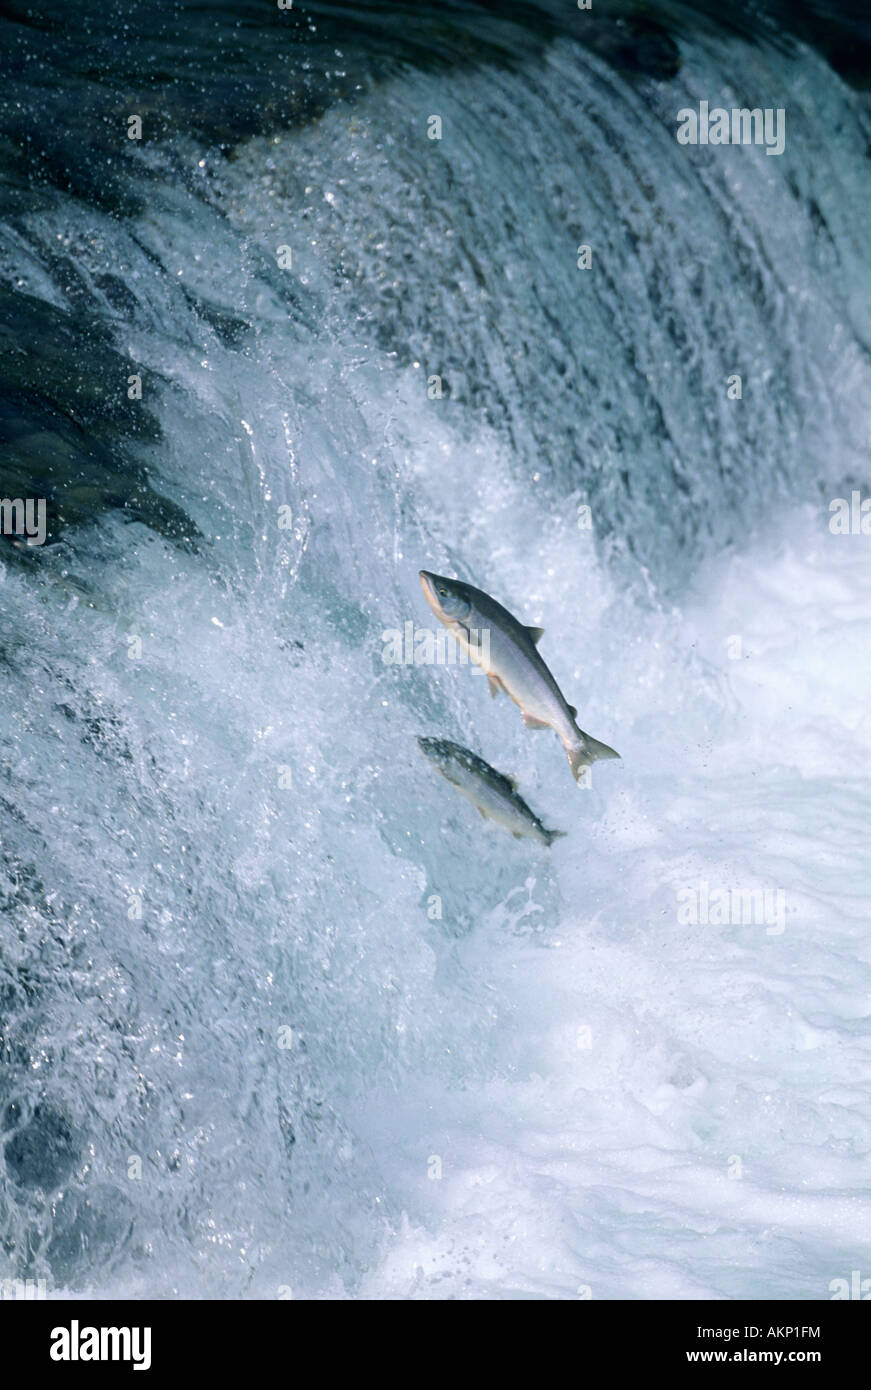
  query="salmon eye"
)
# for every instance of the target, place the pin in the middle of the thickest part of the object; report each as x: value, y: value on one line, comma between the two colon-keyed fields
x: 443, y: 591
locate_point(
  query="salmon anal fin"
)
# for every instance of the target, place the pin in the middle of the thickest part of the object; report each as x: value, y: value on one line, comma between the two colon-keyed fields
x: 532, y: 723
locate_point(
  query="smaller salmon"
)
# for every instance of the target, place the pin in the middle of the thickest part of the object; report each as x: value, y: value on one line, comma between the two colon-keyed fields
x: 495, y: 795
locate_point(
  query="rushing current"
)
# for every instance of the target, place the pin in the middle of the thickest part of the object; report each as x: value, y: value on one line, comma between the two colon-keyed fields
x: 280, y: 1016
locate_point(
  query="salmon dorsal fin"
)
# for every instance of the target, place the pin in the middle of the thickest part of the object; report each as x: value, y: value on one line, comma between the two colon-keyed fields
x: 573, y: 712
x: 535, y: 633
x: 512, y: 781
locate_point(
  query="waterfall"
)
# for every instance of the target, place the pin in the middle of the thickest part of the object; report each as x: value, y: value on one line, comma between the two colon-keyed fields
x: 278, y: 1013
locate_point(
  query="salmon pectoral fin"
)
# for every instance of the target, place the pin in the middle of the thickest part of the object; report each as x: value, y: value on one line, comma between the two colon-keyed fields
x: 532, y: 723
x: 494, y: 685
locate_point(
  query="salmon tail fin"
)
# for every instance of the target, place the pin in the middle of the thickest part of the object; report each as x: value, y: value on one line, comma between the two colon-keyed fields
x: 589, y: 750
x: 551, y: 835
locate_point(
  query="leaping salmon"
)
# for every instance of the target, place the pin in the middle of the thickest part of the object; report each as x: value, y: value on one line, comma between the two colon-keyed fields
x: 495, y: 795
x: 511, y: 661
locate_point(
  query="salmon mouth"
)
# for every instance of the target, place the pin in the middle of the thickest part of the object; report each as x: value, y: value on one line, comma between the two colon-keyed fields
x: 428, y: 584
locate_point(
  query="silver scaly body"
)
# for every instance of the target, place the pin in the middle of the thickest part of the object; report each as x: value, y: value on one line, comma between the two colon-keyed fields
x: 512, y: 662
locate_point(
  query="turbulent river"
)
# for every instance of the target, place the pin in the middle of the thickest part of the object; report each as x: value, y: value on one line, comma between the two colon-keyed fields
x: 279, y: 1014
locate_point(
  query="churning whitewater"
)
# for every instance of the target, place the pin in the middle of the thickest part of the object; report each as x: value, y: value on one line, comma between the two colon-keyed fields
x: 280, y: 1015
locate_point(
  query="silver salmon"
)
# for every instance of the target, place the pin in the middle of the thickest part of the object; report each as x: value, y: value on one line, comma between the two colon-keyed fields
x: 495, y: 795
x: 512, y: 663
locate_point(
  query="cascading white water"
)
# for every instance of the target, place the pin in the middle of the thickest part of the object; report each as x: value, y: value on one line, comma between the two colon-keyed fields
x: 223, y: 860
